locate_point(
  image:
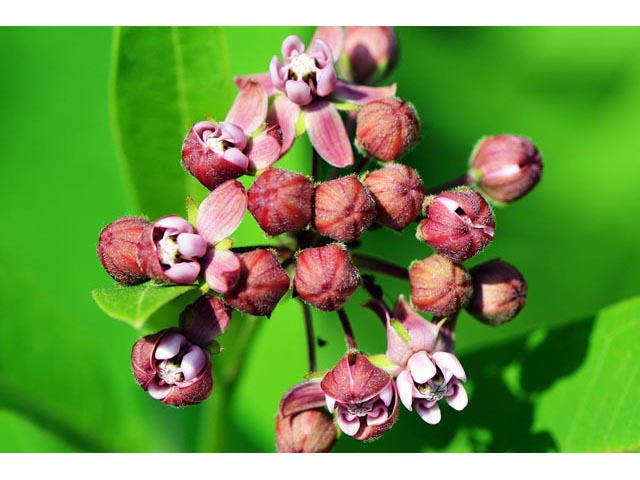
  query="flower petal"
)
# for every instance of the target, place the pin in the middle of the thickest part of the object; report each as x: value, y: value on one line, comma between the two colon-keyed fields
x: 404, y: 382
x: 234, y: 134
x: 422, y: 332
x: 170, y: 345
x: 431, y: 415
x: 333, y: 36
x: 174, y: 222
x: 298, y: 92
x: 183, y: 273
x: 221, y: 270
x: 459, y: 399
x: 328, y: 134
x: 249, y: 109
x: 331, y: 403
x: 235, y: 156
x: 359, y: 94
x: 292, y: 45
x: 284, y: 113
x: 450, y: 365
x: 221, y: 212
x: 191, y: 245
x: 264, y: 79
x: 158, y: 391
x: 264, y: 150
x: 350, y: 427
x: 377, y: 416
x: 422, y: 369
x: 325, y: 81
x: 193, y: 362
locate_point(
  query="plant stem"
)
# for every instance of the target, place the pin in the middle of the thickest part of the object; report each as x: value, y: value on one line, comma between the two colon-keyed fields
x: 348, y: 332
x: 373, y: 264
x: 362, y: 164
x: 458, y: 182
x: 311, y: 343
x: 315, y: 166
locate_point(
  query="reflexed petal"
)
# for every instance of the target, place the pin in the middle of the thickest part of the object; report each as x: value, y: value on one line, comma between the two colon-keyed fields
x: 292, y: 45
x: 459, y: 399
x: 193, y: 362
x: 431, y: 415
x: 328, y: 134
x: 386, y: 395
x: 174, y: 222
x: 360, y: 95
x: 333, y: 37
x: 450, y: 365
x: 404, y: 382
x: 185, y: 272
x: 326, y: 81
x: 249, y: 110
x: 264, y: 150
x: 422, y: 369
x: 234, y: 134
x: 321, y: 52
x: 331, y: 403
x: 221, y: 212
x: 285, y: 113
x: 298, y: 92
x: 158, y: 391
x: 264, y: 79
x: 170, y: 345
x: 350, y: 427
x: 191, y: 245
x: 235, y: 156
x: 275, y: 74
x: 221, y: 270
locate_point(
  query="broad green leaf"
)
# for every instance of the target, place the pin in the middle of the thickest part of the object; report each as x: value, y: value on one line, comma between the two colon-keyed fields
x: 137, y: 303
x: 165, y: 79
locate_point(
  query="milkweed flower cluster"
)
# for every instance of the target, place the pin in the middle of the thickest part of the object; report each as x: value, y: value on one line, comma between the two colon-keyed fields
x: 327, y: 90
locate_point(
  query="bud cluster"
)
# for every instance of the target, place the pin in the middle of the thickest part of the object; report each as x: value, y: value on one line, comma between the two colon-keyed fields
x: 315, y: 224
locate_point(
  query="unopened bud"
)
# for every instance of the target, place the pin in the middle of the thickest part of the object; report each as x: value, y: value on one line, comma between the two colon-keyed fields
x: 118, y: 250
x: 505, y: 167
x: 387, y: 128
x: 325, y: 277
x: 204, y: 320
x: 371, y: 53
x: 398, y: 193
x: 499, y: 292
x: 344, y: 208
x: 439, y: 286
x: 263, y: 282
x: 459, y: 224
x: 280, y: 201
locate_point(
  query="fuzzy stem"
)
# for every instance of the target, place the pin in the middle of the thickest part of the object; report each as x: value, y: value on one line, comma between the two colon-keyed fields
x: 373, y: 264
x: 348, y: 332
x: 311, y: 344
x: 458, y: 182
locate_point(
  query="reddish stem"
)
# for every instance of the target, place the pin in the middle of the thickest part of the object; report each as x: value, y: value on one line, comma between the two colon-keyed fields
x: 346, y: 326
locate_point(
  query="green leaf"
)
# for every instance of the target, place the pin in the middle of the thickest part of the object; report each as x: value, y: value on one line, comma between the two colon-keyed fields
x: 165, y: 79
x: 136, y: 304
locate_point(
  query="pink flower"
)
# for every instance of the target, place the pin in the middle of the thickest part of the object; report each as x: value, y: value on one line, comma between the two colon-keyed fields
x: 306, y: 84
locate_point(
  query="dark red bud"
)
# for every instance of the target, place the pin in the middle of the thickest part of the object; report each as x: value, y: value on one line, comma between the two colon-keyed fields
x: 459, y: 224
x: 439, y: 286
x: 325, y: 277
x: 262, y: 283
x: 204, y: 320
x: 118, y: 250
x: 344, y: 208
x: 372, y: 52
x: 398, y: 193
x: 499, y: 292
x: 505, y: 167
x: 280, y: 201
x: 387, y: 128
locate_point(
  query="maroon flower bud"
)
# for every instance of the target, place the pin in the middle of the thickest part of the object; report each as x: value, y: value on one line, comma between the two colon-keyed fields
x: 458, y: 224
x: 118, y: 250
x: 387, y: 128
x: 262, y: 283
x: 372, y: 52
x: 499, y: 292
x: 325, y: 277
x: 364, y: 397
x: 505, y: 167
x: 280, y: 201
x: 398, y: 193
x: 344, y: 208
x: 303, y: 424
x: 439, y: 286
x: 204, y: 320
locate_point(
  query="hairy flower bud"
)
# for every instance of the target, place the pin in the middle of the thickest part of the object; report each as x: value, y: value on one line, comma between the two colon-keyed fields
x: 303, y: 425
x: 371, y: 53
x: 280, y: 201
x: 505, y: 167
x: 364, y: 397
x: 204, y: 320
x: 499, y: 292
x: 387, y: 128
x: 459, y: 224
x: 439, y: 286
x: 262, y: 283
x: 344, y: 208
x: 118, y: 250
x: 325, y: 277
x: 398, y: 193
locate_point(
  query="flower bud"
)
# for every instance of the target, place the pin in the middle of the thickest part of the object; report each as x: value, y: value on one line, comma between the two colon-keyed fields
x: 499, y: 292
x: 262, y: 283
x: 398, y: 193
x: 371, y: 53
x: 325, y: 277
x: 439, y: 286
x: 505, y: 167
x: 204, y: 320
x: 280, y: 201
x: 118, y: 250
x: 171, y: 368
x: 387, y: 128
x: 303, y: 425
x: 364, y: 397
x: 344, y: 208
x: 169, y: 250
x: 459, y: 224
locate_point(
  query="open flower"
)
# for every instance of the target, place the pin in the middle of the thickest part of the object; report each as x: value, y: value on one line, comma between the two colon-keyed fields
x: 216, y: 152
x: 305, y: 84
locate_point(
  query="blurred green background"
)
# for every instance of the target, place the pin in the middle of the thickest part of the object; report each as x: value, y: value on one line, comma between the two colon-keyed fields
x: 560, y: 377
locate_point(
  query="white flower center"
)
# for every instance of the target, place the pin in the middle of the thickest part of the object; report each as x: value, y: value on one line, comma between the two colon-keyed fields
x: 434, y: 392
x: 168, y: 250
x: 302, y: 65
x: 216, y: 144
x: 170, y: 373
